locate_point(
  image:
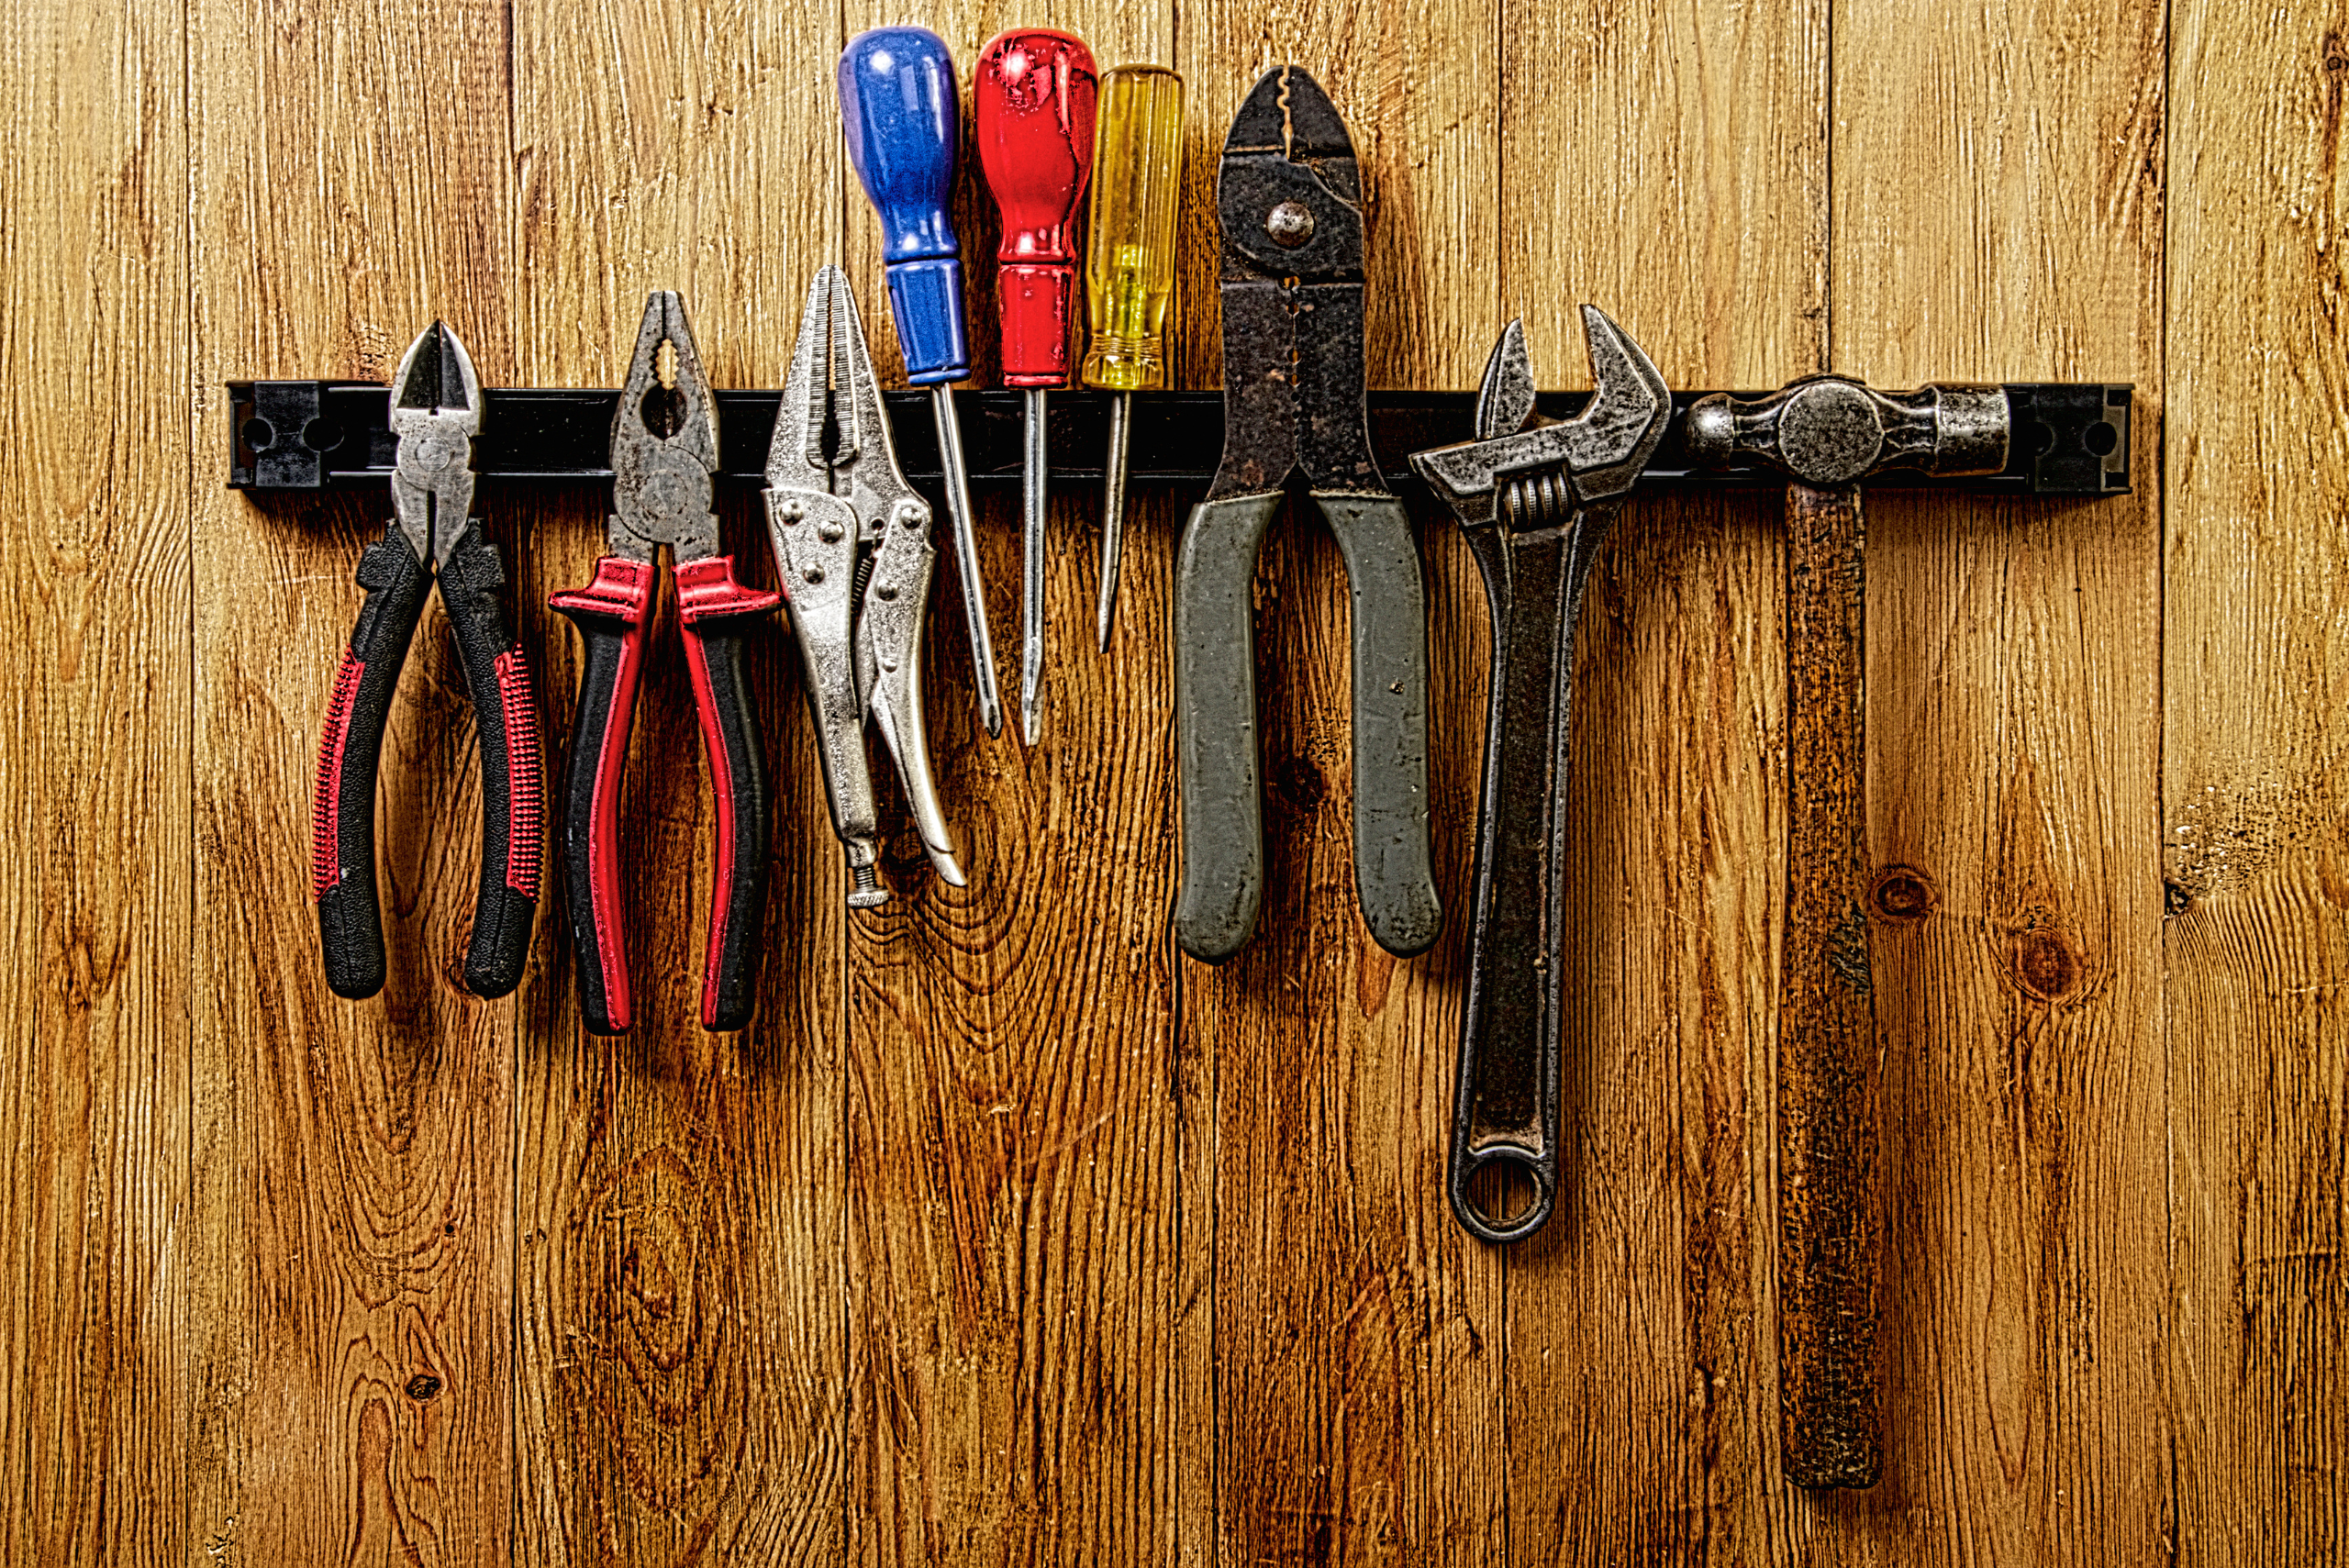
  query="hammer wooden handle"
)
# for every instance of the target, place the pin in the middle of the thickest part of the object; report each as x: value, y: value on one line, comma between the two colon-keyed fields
x: 1829, y: 1065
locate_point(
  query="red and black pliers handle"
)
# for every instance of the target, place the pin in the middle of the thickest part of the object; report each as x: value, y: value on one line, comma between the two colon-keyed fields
x: 664, y: 449
x: 436, y: 411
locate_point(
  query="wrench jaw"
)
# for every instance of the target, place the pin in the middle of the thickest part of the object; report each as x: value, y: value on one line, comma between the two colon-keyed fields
x: 1600, y: 451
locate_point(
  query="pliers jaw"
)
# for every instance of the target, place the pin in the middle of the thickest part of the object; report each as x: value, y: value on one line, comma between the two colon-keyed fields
x: 435, y: 415
x: 851, y: 546
x: 664, y: 443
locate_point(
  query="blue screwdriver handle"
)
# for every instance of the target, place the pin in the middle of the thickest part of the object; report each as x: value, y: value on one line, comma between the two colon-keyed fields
x: 903, y: 114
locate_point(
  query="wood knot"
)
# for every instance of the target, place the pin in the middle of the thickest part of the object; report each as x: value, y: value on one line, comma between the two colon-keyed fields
x: 1903, y: 894
x: 423, y: 1386
x: 2047, y: 964
x: 1299, y: 785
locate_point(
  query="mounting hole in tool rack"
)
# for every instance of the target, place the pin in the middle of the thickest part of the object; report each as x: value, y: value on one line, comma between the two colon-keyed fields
x: 2038, y: 437
x: 257, y: 434
x: 1502, y: 1192
x: 322, y: 435
x: 2101, y: 437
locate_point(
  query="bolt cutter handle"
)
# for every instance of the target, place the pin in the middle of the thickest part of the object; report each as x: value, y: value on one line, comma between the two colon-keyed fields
x: 1214, y: 708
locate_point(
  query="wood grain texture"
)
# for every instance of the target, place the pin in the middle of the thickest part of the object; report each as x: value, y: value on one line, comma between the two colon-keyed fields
x: 353, y: 181
x: 1003, y: 1235
x: 2253, y: 792
x: 95, y: 1074
x: 1009, y: 1133
x: 1997, y: 215
x: 1353, y: 1323
x: 1669, y: 166
x: 680, y: 1394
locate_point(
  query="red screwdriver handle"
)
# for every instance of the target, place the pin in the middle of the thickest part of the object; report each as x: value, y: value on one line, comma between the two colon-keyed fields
x: 1032, y: 101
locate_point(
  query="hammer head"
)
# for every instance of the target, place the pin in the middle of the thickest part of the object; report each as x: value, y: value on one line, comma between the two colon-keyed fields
x: 1828, y: 431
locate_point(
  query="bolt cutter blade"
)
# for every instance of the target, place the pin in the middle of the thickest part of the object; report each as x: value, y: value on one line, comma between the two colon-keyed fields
x: 1289, y: 195
x: 1286, y: 112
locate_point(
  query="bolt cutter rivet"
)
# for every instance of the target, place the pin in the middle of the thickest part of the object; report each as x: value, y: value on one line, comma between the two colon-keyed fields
x: 1290, y: 225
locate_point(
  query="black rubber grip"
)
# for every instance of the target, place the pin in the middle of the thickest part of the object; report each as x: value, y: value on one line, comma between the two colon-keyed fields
x: 342, y: 820
x: 745, y: 810
x: 513, y: 790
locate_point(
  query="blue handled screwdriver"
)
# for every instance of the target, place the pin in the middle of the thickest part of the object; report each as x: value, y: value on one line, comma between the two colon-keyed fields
x: 903, y: 116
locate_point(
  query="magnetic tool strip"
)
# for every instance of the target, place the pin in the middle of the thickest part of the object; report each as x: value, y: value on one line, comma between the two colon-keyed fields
x: 2072, y: 436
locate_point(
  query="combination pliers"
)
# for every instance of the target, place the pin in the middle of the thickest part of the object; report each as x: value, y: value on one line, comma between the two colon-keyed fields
x: 665, y: 450
x: 1289, y: 196
x: 436, y: 406
x: 853, y: 552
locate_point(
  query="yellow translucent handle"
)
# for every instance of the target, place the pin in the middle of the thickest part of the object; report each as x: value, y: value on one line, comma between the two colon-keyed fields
x: 1130, y: 255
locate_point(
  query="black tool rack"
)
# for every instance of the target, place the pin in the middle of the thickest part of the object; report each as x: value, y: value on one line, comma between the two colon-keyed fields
x: 2070, y: 437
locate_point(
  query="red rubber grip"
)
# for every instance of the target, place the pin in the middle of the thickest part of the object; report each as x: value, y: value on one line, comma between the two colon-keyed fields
x: 526, y: 791
x: 325, y: 821
x: 708, y: 594
x: 610, y: 613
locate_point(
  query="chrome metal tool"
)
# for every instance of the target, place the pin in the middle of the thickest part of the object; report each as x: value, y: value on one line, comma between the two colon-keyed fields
x: 853, y: 557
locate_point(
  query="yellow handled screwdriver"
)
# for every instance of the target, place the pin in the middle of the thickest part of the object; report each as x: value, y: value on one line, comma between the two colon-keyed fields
x: 1130, y: 269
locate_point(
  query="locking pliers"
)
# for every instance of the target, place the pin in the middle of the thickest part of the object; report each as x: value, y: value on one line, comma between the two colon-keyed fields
x: 853, y: 553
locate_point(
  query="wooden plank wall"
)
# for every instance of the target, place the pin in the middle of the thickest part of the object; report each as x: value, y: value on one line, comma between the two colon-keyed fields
x: 1006, y: 1235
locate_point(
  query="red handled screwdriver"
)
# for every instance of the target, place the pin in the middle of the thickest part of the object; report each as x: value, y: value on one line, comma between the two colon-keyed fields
x: 1032, y: 104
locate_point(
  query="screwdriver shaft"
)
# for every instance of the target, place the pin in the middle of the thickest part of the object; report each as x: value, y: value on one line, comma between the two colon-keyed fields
x: 966, y: 556
x: 1113, y: 513
x: 1031, y: 565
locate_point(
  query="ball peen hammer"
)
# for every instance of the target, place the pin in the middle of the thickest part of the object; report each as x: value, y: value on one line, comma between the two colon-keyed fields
x: 1827, y: 433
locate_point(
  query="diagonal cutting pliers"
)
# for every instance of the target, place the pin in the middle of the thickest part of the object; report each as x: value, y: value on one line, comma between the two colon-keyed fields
x: 852, y: 550
x: 436, y: 406
x: 665, y: 450
x: 1289, y: 196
